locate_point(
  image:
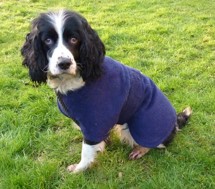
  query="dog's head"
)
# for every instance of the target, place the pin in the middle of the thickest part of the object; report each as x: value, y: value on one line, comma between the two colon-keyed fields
x: 62, y: 43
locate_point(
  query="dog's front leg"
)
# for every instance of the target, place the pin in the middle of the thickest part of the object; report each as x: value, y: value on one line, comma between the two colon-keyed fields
x: 88, y: 156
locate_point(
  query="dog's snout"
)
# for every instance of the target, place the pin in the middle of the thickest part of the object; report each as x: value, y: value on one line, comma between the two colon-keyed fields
x: 64, y: 63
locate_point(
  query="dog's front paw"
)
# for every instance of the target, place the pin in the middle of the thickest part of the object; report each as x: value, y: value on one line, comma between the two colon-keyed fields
x: 72, y: 168
x: 77, y: 168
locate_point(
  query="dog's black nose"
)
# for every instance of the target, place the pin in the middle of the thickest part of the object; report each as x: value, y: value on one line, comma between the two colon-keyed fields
x: 64, y: 63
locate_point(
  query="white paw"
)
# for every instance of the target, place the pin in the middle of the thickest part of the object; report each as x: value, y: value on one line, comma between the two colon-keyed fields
x: 76, y: 168
x: 71, y: 168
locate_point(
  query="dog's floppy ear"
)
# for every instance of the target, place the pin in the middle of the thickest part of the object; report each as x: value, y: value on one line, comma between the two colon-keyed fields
x: 34, y: 56
x: 92, y: 52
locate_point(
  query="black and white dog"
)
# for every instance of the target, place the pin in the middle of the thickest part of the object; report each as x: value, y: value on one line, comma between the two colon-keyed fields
x: 96, y: 91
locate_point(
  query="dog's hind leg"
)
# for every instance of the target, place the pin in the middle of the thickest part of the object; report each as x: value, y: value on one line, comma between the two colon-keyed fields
x: 183, y: 117
x: 125, y: 136
x: 138, y: 152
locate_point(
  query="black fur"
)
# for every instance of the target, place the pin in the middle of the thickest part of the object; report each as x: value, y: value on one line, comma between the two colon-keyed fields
x: 182, y: 119
x: 92, y: 53
x: 34, y: 59
x: 89, y: 53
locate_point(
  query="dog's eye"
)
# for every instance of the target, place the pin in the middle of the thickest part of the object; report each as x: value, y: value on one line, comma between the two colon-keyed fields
x: 49, y: 41
x: 73, y: 40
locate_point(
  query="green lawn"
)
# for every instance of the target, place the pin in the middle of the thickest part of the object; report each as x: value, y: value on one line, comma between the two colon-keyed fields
x: 172, y: 41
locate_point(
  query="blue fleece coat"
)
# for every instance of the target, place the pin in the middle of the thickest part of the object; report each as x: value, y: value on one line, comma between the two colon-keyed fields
x: 121, y: 95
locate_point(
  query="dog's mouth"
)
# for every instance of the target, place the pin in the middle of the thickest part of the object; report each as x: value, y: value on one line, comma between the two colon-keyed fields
x: 64, y: 74
x: 62, y: 65
x: 51, y: 77
x: 59, y: 76
x: 57, y: 71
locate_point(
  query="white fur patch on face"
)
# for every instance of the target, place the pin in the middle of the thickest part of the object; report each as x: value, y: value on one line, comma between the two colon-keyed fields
x: 61, y: 51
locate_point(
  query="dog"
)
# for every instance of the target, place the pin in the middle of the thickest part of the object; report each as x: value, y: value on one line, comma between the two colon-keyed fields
x: 96, y: 91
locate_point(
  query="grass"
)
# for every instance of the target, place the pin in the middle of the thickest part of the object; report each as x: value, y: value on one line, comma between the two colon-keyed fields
x: 173, y: 42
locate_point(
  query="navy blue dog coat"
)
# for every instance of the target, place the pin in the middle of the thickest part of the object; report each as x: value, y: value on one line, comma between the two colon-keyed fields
x: 121, y: 95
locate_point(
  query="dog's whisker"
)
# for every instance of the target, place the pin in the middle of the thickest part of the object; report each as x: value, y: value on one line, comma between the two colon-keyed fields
x: 45, y: 69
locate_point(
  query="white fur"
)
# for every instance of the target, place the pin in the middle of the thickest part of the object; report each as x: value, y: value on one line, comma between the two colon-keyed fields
x: 188, y: 111
x: 161, y: 146
x: 125, y: 135
x: 65, y: 82
x: 61, y: 51
x: 88, y: 155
